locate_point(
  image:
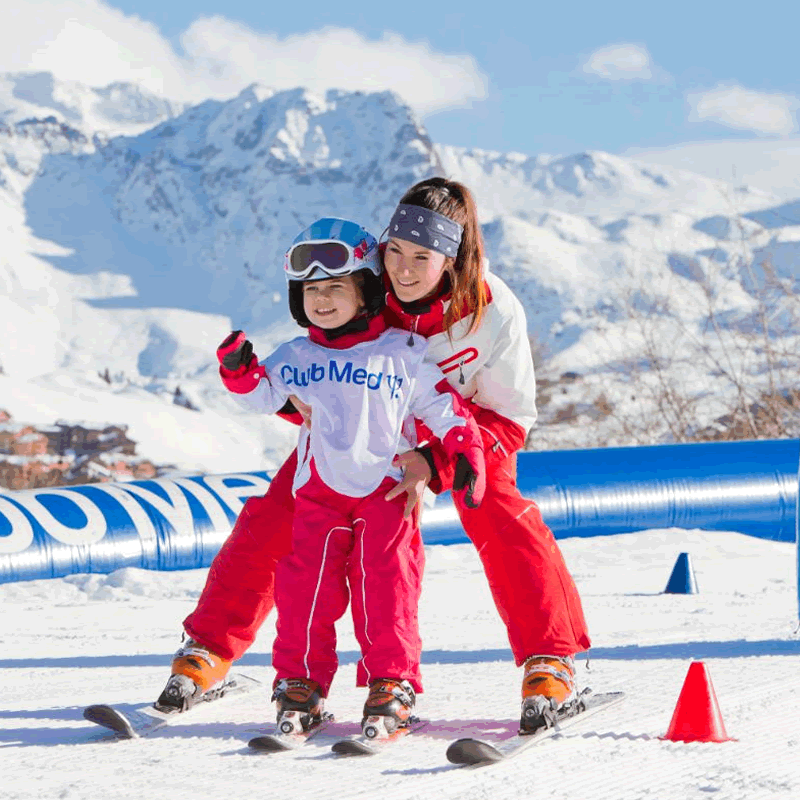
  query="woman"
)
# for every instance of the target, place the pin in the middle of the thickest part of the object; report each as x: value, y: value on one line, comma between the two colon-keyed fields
x: 436, y: 287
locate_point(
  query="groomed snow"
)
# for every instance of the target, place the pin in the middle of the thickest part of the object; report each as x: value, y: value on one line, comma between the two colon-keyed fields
x: 95, y: 638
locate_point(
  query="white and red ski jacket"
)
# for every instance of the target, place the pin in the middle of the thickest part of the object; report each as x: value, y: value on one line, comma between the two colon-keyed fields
x: 491, y: 367
x: 361, y: 389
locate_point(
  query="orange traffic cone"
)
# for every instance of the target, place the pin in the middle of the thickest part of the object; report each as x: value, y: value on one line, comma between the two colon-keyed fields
x: 697, y: 717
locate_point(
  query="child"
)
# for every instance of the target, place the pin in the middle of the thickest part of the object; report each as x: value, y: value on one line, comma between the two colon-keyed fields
x: 362, y: 381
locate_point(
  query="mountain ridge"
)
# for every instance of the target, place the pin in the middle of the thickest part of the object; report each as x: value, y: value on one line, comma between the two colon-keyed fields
x: 136, y: 253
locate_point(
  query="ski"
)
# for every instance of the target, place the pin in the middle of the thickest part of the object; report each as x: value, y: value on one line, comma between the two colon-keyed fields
x: 279, y: 742
x: 479, y: 753
x: 365, y: 745
x: 142, y: 720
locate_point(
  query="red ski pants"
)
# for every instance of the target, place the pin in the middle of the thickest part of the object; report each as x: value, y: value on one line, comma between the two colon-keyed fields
x: 358, y: 550
x: 532, y: 588
x: 530, y: 583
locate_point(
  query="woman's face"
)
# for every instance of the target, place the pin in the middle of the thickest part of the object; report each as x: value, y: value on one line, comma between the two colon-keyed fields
x: 332, y: 302
x: 415, y: 272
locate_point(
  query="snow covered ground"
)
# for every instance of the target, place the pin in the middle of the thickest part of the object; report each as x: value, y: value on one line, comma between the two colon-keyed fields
x: 95, y: 638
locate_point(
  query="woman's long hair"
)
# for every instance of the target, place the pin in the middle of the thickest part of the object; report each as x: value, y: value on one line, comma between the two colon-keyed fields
x: 455, y: 201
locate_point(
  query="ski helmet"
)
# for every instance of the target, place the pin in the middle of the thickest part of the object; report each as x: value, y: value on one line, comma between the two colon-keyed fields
x: 330, y: 248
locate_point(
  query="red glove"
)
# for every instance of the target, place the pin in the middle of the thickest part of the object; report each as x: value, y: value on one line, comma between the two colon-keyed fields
x: 501, y: 439
x: 239, y: 367
x: 463, y: 445
x: 235, y: 351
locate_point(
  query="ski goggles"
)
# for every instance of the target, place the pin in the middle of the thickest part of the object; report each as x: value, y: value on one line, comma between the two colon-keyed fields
x: 331, y: 256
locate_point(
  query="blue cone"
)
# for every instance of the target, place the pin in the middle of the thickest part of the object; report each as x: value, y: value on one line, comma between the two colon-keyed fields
x: 682, y: 580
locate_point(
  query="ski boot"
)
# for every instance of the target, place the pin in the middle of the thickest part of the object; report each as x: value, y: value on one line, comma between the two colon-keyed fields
x: 389, y: 706
x: 548, y: 692
x: 197, y: 672
x: 300, y: 707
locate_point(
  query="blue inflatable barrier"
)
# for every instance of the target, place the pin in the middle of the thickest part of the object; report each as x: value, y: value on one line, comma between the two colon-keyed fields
x: 749, y: 487
x: 158, y: 524
x: 169, y: 524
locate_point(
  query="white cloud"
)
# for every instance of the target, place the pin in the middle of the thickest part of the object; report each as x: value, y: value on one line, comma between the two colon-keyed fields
x: 620, y: 62
x: 91, y: 42
x: 334, y: 57
x: 745, y: 109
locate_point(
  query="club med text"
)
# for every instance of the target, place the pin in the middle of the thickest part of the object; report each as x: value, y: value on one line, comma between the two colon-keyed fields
x: 339, y: 372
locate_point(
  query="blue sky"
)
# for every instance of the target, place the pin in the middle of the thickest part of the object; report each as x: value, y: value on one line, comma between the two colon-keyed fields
x: 555, y: 77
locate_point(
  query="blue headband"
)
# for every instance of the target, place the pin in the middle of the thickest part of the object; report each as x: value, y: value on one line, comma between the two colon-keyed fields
x: 426, y: 228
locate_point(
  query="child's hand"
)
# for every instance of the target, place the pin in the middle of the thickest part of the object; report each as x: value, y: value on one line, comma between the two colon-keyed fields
x: 235, y: 352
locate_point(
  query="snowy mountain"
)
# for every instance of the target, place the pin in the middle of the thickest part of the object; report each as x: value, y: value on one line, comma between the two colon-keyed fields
x: 136, y: 253
x: 114, y: 110
x: 668, y: 299
x: 768, y: 163
x: 592, y: 184
x: 198, y: 210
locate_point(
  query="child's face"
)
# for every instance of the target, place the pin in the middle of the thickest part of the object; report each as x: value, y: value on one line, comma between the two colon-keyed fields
x: 332, y: 302
x: 415, y: 272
